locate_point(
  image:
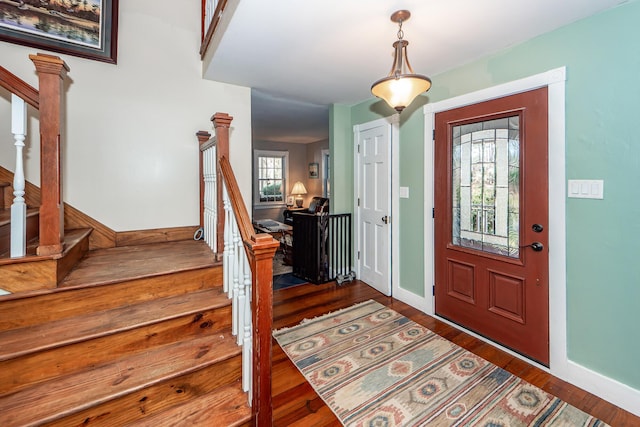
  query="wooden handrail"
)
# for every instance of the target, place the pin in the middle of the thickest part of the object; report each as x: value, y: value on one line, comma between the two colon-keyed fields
x: 206, y: 37
x: 260, y: 249
x: 16, y: 85
x: 247, y: 231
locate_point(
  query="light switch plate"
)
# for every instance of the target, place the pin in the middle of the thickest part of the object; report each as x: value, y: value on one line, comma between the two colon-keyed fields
x: 586, y: 189
x: 404, y: 192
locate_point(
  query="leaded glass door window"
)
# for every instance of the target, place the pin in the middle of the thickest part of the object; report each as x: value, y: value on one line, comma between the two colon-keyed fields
x: 486, y: 186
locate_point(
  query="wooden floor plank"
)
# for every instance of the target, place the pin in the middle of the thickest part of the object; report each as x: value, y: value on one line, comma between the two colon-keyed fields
x: 298, y: 405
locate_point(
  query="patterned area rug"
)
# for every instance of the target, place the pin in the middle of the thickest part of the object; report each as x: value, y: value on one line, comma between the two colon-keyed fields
x: 374, y: 367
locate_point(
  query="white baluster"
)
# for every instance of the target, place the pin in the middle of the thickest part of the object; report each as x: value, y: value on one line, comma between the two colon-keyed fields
x: 205, y: 177
x: 210, y: 197
x: 242, y: 296
x: 236, y: 279
x: 247, y: 345
x: 214, y: 199
x: 226, y: 255
x: 18, y: 208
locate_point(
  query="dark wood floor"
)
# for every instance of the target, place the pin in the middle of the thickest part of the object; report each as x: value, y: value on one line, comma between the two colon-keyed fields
x: 296, y: 404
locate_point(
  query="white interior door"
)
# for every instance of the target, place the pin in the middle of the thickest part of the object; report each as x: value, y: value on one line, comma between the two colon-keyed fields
x: 373, y: 204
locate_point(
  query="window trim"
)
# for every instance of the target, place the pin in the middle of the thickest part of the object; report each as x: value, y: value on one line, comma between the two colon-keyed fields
x: 257, y: 204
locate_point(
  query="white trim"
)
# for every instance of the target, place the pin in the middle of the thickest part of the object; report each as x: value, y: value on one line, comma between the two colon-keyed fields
x: 394, y: 122
x: 356, y: 208
x: 257, y: 204
x: 395, y: 204
x: 559, y: 366
x: 326, y: 158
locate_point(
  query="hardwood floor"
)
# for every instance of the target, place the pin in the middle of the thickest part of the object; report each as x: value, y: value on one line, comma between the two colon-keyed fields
x: 296, y: 404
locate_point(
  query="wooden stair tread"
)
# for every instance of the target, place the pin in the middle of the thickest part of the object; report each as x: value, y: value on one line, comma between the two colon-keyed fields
x: 103, y: 266
x: 227, y: 406
x: 71, y: 239
x: 51, y: 400
x: 31, y: 339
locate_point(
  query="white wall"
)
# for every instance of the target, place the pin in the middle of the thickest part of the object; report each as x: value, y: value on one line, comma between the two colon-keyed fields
x: 130, y: 155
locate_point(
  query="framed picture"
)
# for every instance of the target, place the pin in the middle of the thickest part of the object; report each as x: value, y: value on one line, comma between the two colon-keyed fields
x: 313, y: 170
x: 290, y: 201
x: 84, y: 28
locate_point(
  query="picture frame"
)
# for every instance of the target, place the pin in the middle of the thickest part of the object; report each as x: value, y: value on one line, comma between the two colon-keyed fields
x: 83, y: 28
x: 290, y: 200
x: 313, y: 170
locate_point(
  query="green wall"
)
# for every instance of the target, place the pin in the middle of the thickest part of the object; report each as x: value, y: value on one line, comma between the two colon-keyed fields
x: 602, y: 56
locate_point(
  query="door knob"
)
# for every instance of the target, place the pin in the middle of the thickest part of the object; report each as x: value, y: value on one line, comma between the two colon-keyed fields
x: 385, y: 219
x: 536, y: 246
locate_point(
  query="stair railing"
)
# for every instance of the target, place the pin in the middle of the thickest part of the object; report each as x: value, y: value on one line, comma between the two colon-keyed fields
x: 247, y: 260
x: 47, y: 100
x: 211, y: 14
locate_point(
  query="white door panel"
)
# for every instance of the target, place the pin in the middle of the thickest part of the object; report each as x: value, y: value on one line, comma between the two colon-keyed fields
x: 374, y: 193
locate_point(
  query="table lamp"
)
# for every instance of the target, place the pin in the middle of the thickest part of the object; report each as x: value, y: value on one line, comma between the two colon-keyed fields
x: 298, y: 190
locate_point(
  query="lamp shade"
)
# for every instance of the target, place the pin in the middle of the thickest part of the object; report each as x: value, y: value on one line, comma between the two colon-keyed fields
x: 400, y: 91
x: 402, y: 85
x: 298, y: 188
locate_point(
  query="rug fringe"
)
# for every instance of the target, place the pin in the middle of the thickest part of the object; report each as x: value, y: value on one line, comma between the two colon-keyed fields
x: 331, y: 313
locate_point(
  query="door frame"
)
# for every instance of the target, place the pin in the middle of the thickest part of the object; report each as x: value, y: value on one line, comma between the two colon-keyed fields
x: 394, y: 122
x: 555, y: 81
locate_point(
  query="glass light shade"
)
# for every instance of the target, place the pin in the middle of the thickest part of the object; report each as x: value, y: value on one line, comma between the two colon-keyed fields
x: 400, y: 91
x: 401, y: 86
x: 298, y: 188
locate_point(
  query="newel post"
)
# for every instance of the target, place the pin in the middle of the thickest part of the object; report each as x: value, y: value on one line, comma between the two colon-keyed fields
x: 51, y: 74
x: 261, y: 260
x: 221, y: 124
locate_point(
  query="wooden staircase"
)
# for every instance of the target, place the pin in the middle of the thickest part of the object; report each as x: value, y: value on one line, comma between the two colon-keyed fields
x: 98, y: 330
x: 134, y: 335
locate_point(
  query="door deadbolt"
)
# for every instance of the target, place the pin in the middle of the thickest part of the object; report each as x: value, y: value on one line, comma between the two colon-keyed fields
x: 537, y: 228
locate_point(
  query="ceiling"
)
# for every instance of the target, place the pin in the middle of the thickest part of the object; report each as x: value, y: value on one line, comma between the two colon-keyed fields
x: 300, y: 56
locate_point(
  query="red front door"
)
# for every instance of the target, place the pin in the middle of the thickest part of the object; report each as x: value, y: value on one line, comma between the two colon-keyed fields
x: 491, y: 220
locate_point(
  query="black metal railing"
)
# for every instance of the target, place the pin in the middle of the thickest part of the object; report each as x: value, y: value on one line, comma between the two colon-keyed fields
x: 322, y: 246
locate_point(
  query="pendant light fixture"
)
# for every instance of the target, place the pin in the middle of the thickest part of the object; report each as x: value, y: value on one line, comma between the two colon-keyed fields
x: 402, y: 85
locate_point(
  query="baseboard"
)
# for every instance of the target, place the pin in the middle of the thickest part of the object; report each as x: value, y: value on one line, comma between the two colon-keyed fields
x: 604, y: 387
x: 101, y: 237
x: 156, y: 235
x: 410, y: 298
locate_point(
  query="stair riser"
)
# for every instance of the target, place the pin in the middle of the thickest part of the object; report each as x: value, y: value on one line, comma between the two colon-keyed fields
x: 34, y: 275
x: 65, y: 302
x: 21, y: 372
x: 156, y: 398
x: 33, y: 226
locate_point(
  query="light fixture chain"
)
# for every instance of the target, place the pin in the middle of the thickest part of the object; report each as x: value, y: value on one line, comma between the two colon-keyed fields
x: 400, y: 32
